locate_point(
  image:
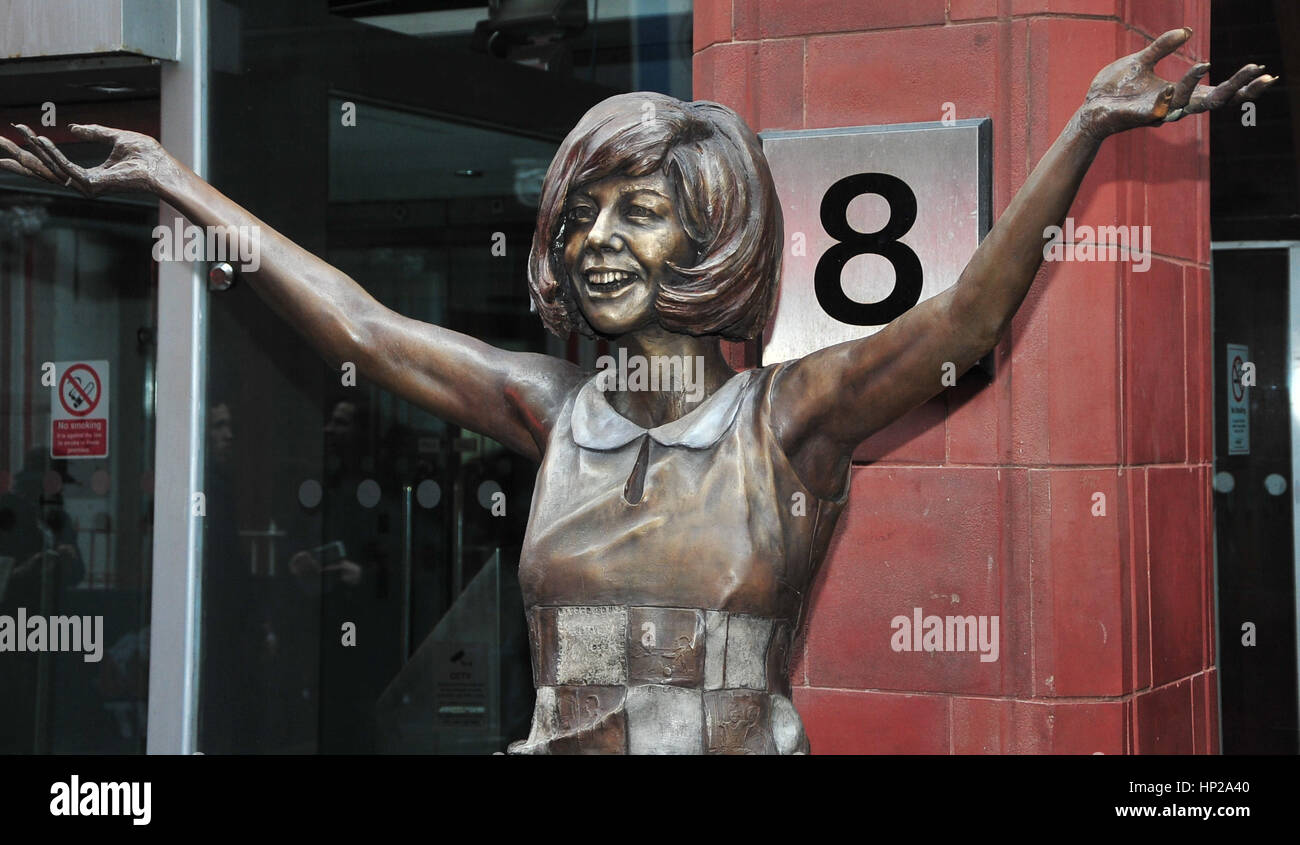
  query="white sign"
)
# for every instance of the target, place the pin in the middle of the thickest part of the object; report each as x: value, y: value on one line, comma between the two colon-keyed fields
x: 79, y: 410
x: 877, y: 219
x: 1238, y: 401
x: 461, y: 695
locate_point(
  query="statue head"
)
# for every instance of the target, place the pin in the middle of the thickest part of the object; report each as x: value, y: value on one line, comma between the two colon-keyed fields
x: 725, y: 277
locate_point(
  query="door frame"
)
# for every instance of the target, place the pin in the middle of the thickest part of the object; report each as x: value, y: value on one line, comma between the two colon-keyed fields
x: 180, y: 428
x: 1293, y: 383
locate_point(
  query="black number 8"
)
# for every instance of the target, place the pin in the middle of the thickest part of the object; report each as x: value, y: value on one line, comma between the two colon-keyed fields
x: 830, y: 267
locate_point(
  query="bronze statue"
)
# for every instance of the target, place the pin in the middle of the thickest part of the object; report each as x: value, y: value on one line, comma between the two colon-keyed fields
x: 664, y: 568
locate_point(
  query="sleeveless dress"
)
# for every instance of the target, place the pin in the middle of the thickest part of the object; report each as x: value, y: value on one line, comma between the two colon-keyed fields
x: 691, y: 547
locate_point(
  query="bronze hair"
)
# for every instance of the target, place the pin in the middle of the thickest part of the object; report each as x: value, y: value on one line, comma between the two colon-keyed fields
x: 727, y: 206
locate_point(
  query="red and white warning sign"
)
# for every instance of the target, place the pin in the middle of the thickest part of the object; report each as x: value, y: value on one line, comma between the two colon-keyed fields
x: 79, y: 411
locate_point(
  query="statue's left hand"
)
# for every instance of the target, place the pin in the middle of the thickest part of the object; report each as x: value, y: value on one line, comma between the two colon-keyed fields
x: 1128, y: 93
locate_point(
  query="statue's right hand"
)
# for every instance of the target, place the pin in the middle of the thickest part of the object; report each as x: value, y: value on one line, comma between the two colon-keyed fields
x: 136, y: 163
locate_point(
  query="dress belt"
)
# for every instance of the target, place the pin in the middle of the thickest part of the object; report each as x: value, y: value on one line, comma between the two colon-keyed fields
x: 680, y: 647
x: 660, y: 680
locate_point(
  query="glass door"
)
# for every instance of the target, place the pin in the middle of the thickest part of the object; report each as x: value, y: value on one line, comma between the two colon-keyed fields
x: 359, y: 582
x: 78, y: 297
x: 1256, y: 326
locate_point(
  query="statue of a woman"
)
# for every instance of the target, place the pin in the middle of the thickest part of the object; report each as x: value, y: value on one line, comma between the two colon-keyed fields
x: 664, y: 569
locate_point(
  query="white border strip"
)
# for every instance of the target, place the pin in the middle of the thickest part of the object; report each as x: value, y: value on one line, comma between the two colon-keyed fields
x: 1293, y: 384
x: 179, y: 412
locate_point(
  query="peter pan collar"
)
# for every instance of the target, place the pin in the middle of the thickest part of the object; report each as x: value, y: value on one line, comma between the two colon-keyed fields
x: 596, y: 425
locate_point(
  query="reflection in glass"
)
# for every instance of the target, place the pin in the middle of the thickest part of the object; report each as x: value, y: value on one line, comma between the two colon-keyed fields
x: 357, y: 544
x: 76, y: 284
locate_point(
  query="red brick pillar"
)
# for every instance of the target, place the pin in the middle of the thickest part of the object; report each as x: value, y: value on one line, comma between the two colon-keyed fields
x: 1071, y: 496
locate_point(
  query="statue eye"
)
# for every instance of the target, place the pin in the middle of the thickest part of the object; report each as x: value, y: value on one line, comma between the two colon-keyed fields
x: 639, y: 212
x: 580, y: 214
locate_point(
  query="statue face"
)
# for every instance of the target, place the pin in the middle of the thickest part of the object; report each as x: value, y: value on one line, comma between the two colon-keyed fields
x: 620, y: 234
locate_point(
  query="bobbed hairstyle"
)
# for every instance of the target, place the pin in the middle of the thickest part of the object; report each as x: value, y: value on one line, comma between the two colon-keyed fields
x: 727, y: 206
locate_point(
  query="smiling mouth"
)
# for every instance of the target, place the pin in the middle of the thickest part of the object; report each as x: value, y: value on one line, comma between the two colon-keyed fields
x: 608, y: 281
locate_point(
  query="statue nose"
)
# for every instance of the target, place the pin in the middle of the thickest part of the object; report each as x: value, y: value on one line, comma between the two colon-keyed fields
x: 602, y: 235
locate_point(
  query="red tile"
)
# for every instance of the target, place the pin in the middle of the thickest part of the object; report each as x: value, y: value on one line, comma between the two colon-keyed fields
x: 974, y: 409
x: 1023, y: 358
x: 1083, y: 306
x: 712, y: 23
x: 1130, y: 726
x: 1102, y: 199
x: 1065, y: 55
x: 1197, y: 16
x: 1195, y: 374
x: 1172, y: 174
x: 1200, y: 381
x: 981, y: 725
x: 783, y: 18
x: 715, y: 73
x: 839, y: 722
x: 960, y: 10
x: 858, y: 79
x: 1137, y: 577
x: 1200, y: 715
x: 1023, y: 537
x: 1155, y: 17
x: 1207, y: 564
x: 1212, y: 712
x: 1203, y: 236
x: 1065, y: 7
x: 1030, y: 377
x: 1005, y: 726
x: 1000, y: 726
x: 1040, y: 606
x: 1087, y: 727
x: 1154, y: 365
x: 1177, y: 579
x: 745, y: 20
x: 779, y: 75
x: 916, y: 437
x: 1130, y: 149
x: 1163, y: 718
x: 763, y: 81
x: 1012, y: 136
x: 912, y: 537
x: 1082, y: 652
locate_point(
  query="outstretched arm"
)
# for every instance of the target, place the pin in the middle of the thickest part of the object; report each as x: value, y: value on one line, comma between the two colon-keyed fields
x: 511, y: 397
x: 831, y: 400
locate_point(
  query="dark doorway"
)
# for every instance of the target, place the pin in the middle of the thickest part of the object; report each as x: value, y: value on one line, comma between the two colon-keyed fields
x: 1255, y: 219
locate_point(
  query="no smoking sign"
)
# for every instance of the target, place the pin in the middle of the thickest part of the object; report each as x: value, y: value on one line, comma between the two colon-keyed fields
x: 79, y: 412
